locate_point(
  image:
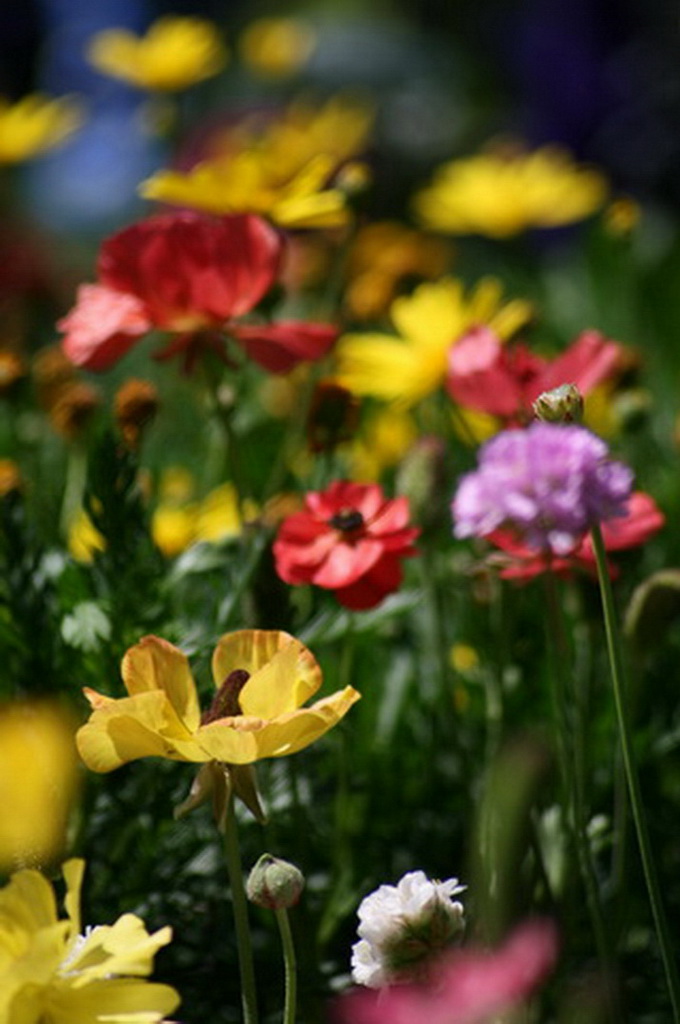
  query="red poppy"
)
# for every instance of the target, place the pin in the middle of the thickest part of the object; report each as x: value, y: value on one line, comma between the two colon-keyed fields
x: 349, y: 539
x: 642, y: 520
x: 504, y: 380
x: 278, y: 347
x: 181, y: 272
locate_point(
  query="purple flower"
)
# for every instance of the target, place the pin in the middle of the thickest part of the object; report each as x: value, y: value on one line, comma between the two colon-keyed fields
x: 550, y: 483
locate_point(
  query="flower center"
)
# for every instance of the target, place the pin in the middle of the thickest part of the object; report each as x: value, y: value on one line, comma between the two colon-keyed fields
x: 347, y: 520
x: 225, y: 702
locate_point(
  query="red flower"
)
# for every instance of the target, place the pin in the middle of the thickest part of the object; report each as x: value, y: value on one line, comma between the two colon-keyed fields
x: 469, y: 986
x: 504, y: 380
x: 102, y: 326
x: 642, y: 520
x: 349, y: 539
x: 278, y: 347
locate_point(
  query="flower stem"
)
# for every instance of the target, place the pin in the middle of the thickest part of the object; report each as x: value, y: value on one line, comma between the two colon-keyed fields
x: 289, y: 964
x: 614, y: 648
x: 238, y: 897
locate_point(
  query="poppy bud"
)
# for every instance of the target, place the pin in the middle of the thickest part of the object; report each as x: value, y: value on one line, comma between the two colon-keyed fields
x: 563, y: 404
x: 274, y: 883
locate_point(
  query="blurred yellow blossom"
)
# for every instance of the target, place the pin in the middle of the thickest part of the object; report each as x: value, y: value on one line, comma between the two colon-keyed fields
x: 176, y: 52
x: 282, y: 171
x: 502, y: 193
x: 179, y: 520
x: 84, y: 539
x: 383, y: 255
x: 38, y: 783
x: 408, y: 366
x: 34, y: 125
x: 389, y: 433
x: 261, y: 678
x: 463, y: 658
x: 10, y: 477
x: 621, y: 216
x: 53, y: 972
x: 277, y: 47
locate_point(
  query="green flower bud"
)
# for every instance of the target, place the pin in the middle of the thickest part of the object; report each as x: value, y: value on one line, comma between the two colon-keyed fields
x: 563, y: 404
x: 274, y: 883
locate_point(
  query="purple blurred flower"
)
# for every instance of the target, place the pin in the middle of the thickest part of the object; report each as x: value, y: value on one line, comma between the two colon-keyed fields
x: 550, y: 483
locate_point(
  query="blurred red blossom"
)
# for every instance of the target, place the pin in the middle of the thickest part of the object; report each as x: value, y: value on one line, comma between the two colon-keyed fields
x: 642, y: 520
x: 504, y: 379
x: 469, y: 986
x: 191, y: 275
x: 349, y: 539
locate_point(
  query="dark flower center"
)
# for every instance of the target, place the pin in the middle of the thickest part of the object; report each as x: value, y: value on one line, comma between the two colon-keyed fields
x: 346, y: 520
x: 225, y: 702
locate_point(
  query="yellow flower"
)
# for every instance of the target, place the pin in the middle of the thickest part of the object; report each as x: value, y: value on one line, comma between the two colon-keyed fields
x: 38, y: 782
x: 388, y: 436
x: 84, y: 539
x: 262, y: 677
x: 502, y: 194
x: 221, y: 515
x: 50, y: 973
x: 175, y: 53
x: 409, y: 366
x: 277, y: 47
x: 281, y: 172
x: 179, y: 522
x: 34, y: 125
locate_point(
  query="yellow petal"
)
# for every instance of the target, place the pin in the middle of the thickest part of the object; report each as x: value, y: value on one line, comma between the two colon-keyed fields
x: 155, y: 664
x: 297, y: 730
x: 124, y: 1000
x: 141, y: 726
x: 283, y: 684
x: 433, y: 316
x: 387, y: 367
x: 73, y: 871
x: 124, y: 948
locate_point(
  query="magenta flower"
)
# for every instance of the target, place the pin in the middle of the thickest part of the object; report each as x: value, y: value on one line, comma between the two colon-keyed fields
x: 549, y: 483
x: 470, y: 986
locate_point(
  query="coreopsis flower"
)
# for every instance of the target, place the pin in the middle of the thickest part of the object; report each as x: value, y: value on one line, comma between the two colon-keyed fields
x: 176, y: 52
x: 350, y: 539
x: 261, y: 678
x: 38, y: 783
x: 641, y: 520
x: 403, y: 926
x: 74, y: 409
x: 192, y: 276
x: 53, y: 972
x: 505, y: 380
x: 467, y: 986
x: 34, y: 125
x: 503, y: 193
x: 283, y: 171
x: 549, y: 483
x: 276, y: 47
x: 408, y: 366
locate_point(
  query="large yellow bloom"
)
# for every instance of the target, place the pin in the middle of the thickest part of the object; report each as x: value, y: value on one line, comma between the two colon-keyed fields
x: 34, y: 125
x: 51, y: 973
x: 262, y: 677
x: 407, y: 367
x: 176, y: 52
x: 281, y: 172
x: 38, y: 782
x: 502, y: 194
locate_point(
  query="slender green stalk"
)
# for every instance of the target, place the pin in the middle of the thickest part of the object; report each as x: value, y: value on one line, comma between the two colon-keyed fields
x: 289, y: 964
x: 616, y: 663
x: 240, y: 905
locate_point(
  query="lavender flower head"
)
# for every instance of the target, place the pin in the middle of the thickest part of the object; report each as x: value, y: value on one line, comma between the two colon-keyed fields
x: 550, y: 483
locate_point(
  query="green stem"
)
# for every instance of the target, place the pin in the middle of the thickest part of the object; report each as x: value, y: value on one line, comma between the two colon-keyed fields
x: 238, y: 897
x: 616, y: 663
x: 289, y: 964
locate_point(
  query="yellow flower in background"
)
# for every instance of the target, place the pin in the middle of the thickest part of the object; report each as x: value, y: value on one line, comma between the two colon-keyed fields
x: 408, y: 366
x: 277, y: 47
x: 388, y: 435
x: 178, y: 521
x: 34, y: 125
x: 175, y: 53
x: 52, y: 973
x: 261, y: 678
x: 38, y: 782
x: 501, y: 194
x: 84, y: 539
x: 281, y: 171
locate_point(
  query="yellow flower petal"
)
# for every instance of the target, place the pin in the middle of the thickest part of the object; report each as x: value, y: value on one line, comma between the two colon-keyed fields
x: 73, y: 871
x: 116, y: 1000
x: 36, y: 124
x: 288, y: 679
x: 155, y: 664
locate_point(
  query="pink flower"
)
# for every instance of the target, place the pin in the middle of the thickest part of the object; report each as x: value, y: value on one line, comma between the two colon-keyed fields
x: 349, y: 539
x: 102, y: 326
x: 504, y: 380
x: 641, y: 520
x: 469, y: 986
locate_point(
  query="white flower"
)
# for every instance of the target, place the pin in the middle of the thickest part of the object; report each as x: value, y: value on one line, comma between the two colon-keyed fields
x: 401, y: 925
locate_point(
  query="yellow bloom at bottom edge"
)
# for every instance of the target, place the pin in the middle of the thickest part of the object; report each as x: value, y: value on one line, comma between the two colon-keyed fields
x: 51, y: 973
x: 262, y: 678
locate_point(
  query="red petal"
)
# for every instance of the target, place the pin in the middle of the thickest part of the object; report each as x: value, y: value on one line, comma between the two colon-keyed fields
x: 278, y: 347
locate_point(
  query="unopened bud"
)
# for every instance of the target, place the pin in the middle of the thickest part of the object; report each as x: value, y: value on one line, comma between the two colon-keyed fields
x: 563, y: 404
x: 274, y: 883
